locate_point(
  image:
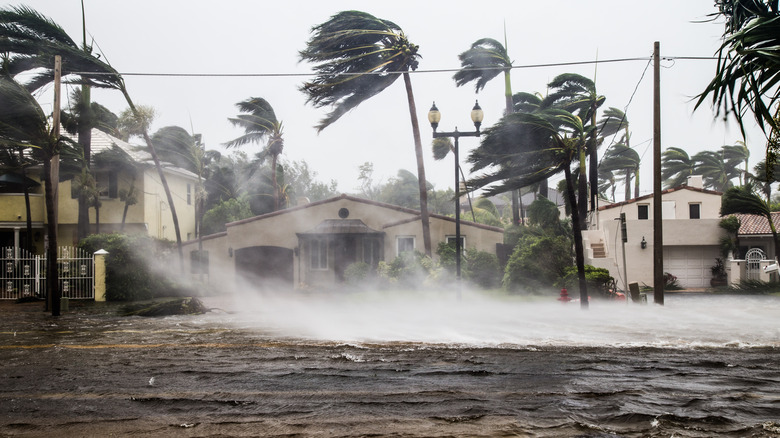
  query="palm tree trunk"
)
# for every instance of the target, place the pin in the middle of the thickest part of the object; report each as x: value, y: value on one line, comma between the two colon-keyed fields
x: 85, y: 141
x: 509, y: 109
x: 579, y: 251
x: 593, y: 150
x: 273, y: 181
x: 636, y: 182
x: 627, y: 188
x: 582, y: 193
x: 426, y: 229
x: 52, y: 273
x: 163, y: 180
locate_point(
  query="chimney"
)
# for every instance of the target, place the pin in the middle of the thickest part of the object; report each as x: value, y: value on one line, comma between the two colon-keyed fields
x: 695, y: 181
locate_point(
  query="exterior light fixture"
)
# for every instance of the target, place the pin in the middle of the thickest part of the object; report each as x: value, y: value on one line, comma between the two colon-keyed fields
x: 643, y: 243
x: 434, y: 117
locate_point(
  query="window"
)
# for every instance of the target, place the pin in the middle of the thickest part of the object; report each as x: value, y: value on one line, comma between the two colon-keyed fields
x: 189, y: 194
x: 371, y: 251
x: 405, y: 244
x: 694, y: 211
x: 318, y: 254
x: 451, y: 241
x: 643, y: 211
x: 107, y: 184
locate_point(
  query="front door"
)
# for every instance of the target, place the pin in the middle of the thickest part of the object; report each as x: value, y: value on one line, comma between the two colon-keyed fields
x: 345, y: 253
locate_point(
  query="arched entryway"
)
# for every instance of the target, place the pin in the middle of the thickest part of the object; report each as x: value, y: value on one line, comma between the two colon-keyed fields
x: 266, y: 266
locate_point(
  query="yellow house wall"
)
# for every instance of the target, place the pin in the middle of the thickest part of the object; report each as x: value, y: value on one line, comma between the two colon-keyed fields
x: 13, y: 209
x: 157, y: 214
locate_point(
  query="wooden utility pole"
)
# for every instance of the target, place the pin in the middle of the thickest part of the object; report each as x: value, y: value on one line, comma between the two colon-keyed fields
x: 658, y: 233
x: 52, y: 277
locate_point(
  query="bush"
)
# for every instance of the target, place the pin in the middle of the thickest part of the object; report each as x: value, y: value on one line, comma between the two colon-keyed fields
x: 598, y: 281
x: 129, y: 275
x: 408, y: 270
x: 357, y: 273
x: 482, y: 268
x: 538, y: 262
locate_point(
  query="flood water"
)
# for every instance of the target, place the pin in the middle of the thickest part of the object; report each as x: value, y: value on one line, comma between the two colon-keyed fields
x: 397, y: 365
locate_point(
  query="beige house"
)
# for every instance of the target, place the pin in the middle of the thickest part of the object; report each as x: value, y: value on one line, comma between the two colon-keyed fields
x: 312, y: 244
x: 691, y: 236
x: 150, y: 214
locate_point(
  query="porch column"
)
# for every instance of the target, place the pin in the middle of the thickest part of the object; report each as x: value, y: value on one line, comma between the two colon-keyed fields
x: 100, y: 275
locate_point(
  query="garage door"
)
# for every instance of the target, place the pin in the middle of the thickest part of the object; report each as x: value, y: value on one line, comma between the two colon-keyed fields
x: 691, y: 264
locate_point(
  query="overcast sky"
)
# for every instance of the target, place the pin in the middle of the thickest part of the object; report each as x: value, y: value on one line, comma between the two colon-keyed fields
x: 253, y: 37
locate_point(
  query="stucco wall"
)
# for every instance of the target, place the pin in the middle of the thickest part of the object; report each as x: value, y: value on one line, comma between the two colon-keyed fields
x: 280, y: 228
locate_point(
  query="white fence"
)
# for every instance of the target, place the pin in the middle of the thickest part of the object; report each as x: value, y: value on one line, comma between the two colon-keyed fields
x: 23, y: 274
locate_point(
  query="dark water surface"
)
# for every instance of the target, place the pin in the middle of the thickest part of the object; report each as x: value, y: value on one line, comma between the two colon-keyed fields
x: 511, y: 370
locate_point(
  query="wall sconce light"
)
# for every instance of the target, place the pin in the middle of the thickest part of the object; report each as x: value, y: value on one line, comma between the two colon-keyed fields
x: 230, y: 251
x: 643, y: 243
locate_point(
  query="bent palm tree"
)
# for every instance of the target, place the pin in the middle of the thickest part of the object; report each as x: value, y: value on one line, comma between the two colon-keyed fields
x: 23, y: 124
x: 31, y: 41
x: 577, y: 94
x: 357, y: 56
x: 526, y: 148
x: 624, y: 160
x: 743, y: 200
x: 259, y: 122
x: 676, y: 167
x: 485, y: 60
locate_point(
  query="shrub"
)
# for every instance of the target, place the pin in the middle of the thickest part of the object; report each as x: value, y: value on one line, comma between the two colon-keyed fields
x: 357, y: 273
x: 537, y: 262
x: 408, y: 270
x: 482, y: 268
x: 598, y: 280
x: 128, y: 265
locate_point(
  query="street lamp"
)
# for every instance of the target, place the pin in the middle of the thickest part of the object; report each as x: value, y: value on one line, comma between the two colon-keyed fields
x: 434, y: 116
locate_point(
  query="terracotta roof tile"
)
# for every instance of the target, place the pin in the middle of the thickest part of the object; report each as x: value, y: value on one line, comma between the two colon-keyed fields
x: 751, y: 224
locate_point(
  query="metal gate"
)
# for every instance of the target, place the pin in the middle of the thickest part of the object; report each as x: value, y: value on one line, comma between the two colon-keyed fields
x: 753, y: 263
x: 23, y: 274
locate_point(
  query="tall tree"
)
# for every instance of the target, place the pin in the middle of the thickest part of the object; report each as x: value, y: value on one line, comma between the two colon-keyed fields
x: 524, y: 148
x: 357, y: 56
x: 738, y: 153
x: 716, y: 170
x: 676, y: 167
x: 31, y: 41
x: 742, y: 199
x: 748, y: 69
x: 483, y: 61
x: 259, y: 122
x: 577, y: 95
x: 624, y: 160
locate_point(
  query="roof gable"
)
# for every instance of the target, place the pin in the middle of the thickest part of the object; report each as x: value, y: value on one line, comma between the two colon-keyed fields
x: 664, y: 192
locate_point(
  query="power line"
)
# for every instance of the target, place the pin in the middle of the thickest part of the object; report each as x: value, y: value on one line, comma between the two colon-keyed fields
x: 443, y: 70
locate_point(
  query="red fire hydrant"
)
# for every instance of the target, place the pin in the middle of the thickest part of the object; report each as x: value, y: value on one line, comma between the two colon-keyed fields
x: 564, y: 296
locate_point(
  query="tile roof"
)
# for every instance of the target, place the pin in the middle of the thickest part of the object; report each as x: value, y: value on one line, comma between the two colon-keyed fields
x: 752, y: 225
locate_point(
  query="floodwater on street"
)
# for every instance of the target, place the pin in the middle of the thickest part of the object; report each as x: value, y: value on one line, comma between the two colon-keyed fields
x: 401, y: 364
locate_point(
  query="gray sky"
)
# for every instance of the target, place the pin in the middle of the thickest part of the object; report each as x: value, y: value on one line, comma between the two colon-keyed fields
x: 242, y: 36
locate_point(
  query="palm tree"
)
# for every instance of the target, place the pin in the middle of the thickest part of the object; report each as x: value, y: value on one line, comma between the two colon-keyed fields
x: 31, y: 41
x: 259, y: 123
x: 481, y: 63
x: 676, y: 167
x: 525, y: 148
x: 738, y: 153
x: 748, y: 66
x: 23, y: 124
x: 577, y: 94
x: 742, y: 199
x: 357, y: 56
x: 622, y: 159
x: 762, y: 180
x: 715, y: 170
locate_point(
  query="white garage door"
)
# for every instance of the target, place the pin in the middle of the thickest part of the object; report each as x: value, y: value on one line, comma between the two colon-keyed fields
x: 691, y: 264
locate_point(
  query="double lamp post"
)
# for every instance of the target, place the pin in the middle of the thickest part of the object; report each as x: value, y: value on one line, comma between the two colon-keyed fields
x: 434, y: 116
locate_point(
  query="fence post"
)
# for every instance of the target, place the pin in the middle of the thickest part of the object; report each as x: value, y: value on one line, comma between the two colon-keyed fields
x: 100, y: 274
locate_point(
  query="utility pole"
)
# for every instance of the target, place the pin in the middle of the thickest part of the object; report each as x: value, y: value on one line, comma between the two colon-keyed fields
x: 658, y: 233
x: 52, y: 274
